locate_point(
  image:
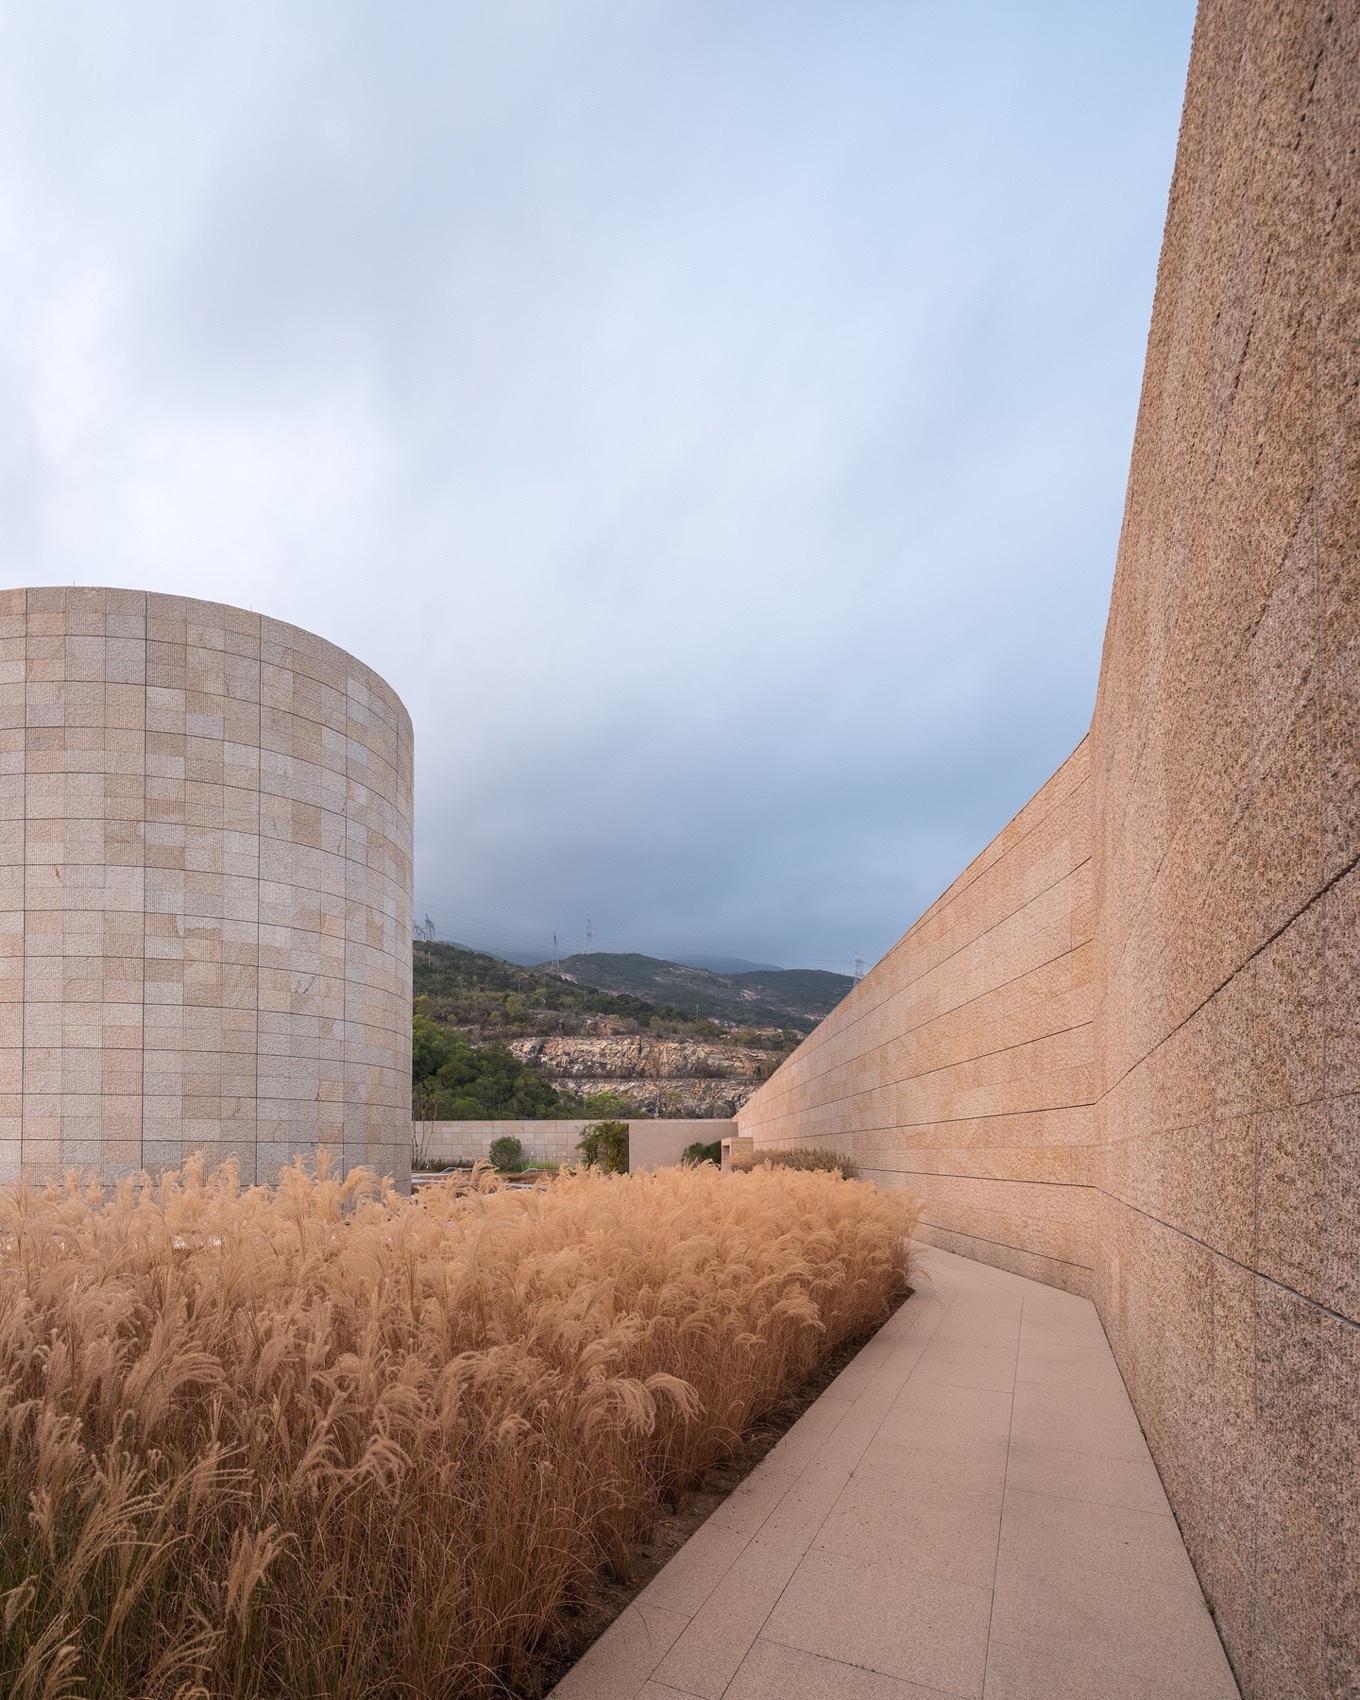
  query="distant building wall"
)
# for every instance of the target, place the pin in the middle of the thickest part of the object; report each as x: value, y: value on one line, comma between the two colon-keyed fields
x: 651, y: 1144
x: 205, y: 890
x: 1165, y: 1110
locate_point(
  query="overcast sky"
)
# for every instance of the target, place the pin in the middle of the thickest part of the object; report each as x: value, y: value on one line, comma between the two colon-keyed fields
x: 711, y: 416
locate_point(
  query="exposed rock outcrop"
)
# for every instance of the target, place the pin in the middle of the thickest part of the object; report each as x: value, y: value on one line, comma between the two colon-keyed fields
x: 672, y: 1077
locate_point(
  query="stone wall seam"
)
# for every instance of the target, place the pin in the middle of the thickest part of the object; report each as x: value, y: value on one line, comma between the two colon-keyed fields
x: 1240, y: 969
x: 977, y: 869
x: 1348, y: 1321
x: 1007, y: 1245
x: 977, y: 939
x: 957, y: 891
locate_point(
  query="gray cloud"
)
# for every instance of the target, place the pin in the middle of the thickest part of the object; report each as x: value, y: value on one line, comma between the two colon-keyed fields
x: 712, y: 419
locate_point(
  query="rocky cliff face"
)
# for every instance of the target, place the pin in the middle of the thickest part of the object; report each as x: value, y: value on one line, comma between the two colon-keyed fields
x: 672, y: 1077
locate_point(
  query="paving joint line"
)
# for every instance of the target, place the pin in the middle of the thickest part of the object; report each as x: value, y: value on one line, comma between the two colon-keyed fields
x: 872, y: 1670
x: 1005, y: 1481
x: 944, y: 1311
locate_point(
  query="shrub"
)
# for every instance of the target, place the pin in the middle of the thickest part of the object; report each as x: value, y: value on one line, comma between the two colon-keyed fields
x: 506, y: 1152
x: 605, y: 1146
x: 798, y: 1157
x: 701, y: 1153
x: 324, y: 1440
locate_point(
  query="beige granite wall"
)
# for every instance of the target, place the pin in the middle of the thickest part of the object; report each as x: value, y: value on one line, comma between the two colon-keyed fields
x: 1226, y: 841
x: 960, y: 1067
x: 205, y: 889
x: 1200, y: 1173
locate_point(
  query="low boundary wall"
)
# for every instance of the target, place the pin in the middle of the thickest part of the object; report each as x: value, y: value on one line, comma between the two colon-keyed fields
x: 651, y: 1144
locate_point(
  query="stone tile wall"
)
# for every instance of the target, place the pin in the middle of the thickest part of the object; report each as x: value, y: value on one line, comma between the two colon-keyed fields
x: 1200, y: 1174
x: 960, y: 1067
x: 205, y: 889
x: 1226, y: 842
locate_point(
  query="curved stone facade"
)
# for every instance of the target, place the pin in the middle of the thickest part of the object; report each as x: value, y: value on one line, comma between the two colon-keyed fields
x: 205, y: 890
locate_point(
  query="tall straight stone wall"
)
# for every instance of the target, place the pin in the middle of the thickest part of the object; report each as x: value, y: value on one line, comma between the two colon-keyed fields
x: 1226, y: 842
x: 1214, y: 1213
x: 205, y: 890
x: 960, y: 1067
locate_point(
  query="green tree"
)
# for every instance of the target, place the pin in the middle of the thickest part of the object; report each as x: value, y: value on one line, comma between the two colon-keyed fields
x: 455, y: 1081
x: 605, y: 1146
x: 614, y: 1105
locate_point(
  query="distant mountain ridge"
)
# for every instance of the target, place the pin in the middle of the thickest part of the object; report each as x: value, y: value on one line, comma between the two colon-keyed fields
x: 495, y: 1040
x: 725, y: 964
x: 761, y: 997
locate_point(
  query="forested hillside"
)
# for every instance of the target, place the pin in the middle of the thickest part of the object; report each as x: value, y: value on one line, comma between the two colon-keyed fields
x: 497, y: 1041
x: 767, y: 997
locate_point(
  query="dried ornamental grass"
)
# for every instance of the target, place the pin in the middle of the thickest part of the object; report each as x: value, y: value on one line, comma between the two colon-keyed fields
x: 323, y: 1440
x: 797, y: 1157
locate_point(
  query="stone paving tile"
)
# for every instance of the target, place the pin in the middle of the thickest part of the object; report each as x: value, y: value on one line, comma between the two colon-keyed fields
x: 805, y: 1439
x: 969, y: 1511
x: 710, y: 1649
x: 1044, y: 1360
x: 1131, y: 1482
x: 892, y: 1618
x: 1093, y: 1637
x: 774, y: 1672
x: 637, y: 1642
x: 752, y: 1501
x: 920, y: 1517
x: 699, y: 1567
x: 1099, y: 1420
x: 989, y: 1368
x: 936, y: 1392
x: 862, y: 1369
x: 1085, y: 1538
x: 950, y: 1433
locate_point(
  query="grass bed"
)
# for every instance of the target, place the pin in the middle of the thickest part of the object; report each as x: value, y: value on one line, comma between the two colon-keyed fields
x: 323, y: 1440
x: 797, y: 1157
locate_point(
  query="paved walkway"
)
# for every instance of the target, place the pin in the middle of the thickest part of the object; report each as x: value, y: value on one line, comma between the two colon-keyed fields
x: 969, y: 1509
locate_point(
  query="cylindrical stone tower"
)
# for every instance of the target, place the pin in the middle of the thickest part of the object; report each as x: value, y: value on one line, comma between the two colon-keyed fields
x: 205, y: 890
